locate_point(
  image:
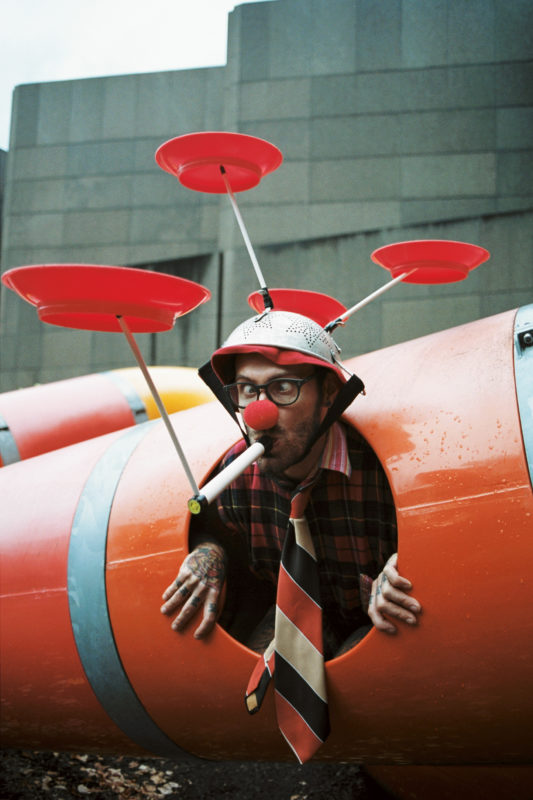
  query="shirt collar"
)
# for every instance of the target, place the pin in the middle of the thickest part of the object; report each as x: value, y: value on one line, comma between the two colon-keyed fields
x: 335, y: 453
x: 334, y: 456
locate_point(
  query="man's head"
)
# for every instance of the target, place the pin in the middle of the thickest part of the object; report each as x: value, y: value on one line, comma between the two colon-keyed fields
x: 292, y: 448
x: 291, y: 361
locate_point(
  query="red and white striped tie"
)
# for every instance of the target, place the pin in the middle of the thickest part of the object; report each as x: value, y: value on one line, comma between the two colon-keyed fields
x: 295, y: 656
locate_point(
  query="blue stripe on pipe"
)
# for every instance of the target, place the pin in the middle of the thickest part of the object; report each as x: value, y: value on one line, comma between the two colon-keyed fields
x: 524, y: 378
x: 88, y: 602
x: 137, y: 406
x: 9, y: 452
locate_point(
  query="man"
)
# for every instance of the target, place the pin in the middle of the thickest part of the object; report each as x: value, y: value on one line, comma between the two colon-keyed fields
x: 293, y: 362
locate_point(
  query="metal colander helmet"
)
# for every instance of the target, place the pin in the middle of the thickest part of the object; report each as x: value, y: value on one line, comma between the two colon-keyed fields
x: 283, y: 337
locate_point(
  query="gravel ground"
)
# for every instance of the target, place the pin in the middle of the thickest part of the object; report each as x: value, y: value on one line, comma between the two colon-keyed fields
x: 28, y: 775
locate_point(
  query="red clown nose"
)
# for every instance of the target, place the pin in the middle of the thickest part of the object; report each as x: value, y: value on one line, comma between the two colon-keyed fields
x: 261, y: 415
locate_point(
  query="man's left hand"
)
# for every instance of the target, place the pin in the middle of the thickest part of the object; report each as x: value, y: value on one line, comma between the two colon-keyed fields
x: 389, y: 599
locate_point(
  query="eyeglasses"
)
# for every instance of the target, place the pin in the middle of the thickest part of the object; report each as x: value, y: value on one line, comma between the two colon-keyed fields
x: 282, y: 391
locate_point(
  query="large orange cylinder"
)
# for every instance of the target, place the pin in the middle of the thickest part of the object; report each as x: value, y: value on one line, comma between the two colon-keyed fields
x: 41, y: 418
x: 89, y: 661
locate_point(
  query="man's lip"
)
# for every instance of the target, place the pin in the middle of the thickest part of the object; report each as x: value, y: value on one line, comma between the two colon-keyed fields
x: 268, y: 447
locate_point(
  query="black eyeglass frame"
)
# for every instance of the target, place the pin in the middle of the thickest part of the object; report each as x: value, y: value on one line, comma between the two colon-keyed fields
x: 259, y: 386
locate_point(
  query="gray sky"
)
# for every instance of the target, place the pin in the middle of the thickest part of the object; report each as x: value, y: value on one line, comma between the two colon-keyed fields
x: 48, y: 40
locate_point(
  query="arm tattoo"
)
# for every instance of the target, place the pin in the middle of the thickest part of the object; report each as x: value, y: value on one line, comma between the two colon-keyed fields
x: 208, y: 565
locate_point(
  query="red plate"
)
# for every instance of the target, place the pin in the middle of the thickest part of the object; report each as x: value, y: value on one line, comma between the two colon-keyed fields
x: 320, y: 307
x: 435, y: 260
x: 195, y: 159
x: 90, y: 297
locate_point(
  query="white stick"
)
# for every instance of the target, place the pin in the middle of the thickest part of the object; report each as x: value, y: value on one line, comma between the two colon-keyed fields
x: 366, y: 300
x: 217, y: 484
x: 159, y: 403
x: 244, y: 232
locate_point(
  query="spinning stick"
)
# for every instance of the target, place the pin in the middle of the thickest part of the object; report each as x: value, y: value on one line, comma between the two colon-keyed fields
x: 158, y: 401
x: 420, y: 261
x: 105, y: 298
x: 247, y: 242
x: 221, y: 162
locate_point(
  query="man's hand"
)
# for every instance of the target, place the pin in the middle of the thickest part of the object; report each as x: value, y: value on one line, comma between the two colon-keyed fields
x: 199, y: 582
x: 389, y: 598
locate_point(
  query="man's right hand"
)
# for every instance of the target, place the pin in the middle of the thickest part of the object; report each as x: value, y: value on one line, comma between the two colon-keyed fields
x: 199, y: 582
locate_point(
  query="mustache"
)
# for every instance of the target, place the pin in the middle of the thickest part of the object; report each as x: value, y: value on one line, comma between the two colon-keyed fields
x: 267, y: 442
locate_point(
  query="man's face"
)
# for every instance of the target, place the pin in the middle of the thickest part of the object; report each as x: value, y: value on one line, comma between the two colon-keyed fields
x: 297, y: 423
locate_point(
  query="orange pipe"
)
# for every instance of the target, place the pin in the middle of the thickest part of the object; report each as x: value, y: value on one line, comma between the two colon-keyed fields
x: 443, y: 416
x: 179, y: 388
x: 41, y: 418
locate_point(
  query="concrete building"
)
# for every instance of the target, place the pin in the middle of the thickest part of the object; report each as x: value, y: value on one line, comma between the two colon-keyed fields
x: 3, y: 158
x: 397, y: 119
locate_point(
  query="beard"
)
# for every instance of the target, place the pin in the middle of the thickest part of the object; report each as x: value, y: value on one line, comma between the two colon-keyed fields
x: 285, y: 448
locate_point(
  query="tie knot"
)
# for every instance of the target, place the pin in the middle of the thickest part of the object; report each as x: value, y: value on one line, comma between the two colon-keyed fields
x: 299, y: 503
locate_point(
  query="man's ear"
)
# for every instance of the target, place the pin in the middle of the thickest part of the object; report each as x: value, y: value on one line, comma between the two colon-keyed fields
x: 330, y: 388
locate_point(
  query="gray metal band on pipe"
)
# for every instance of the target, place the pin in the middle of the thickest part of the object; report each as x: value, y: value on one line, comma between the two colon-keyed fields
x: 9, y: 452
x: 88, y: 605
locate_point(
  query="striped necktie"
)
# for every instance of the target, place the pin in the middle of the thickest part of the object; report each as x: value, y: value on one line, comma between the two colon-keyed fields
x: 295, y: 656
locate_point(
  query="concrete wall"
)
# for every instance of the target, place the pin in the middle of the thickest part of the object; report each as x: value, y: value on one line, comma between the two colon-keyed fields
x: 83, y: 187
x: 397, y: 119
x: 3, y: 159
x: 389, y: 114
x: 82, y: 178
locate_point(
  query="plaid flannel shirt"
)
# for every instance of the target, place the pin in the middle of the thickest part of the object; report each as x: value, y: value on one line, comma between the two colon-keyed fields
x: 350, y: 514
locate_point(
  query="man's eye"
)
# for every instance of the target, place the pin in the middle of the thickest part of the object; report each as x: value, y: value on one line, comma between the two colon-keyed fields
x: 283, y: 387
x: 247, y: 389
